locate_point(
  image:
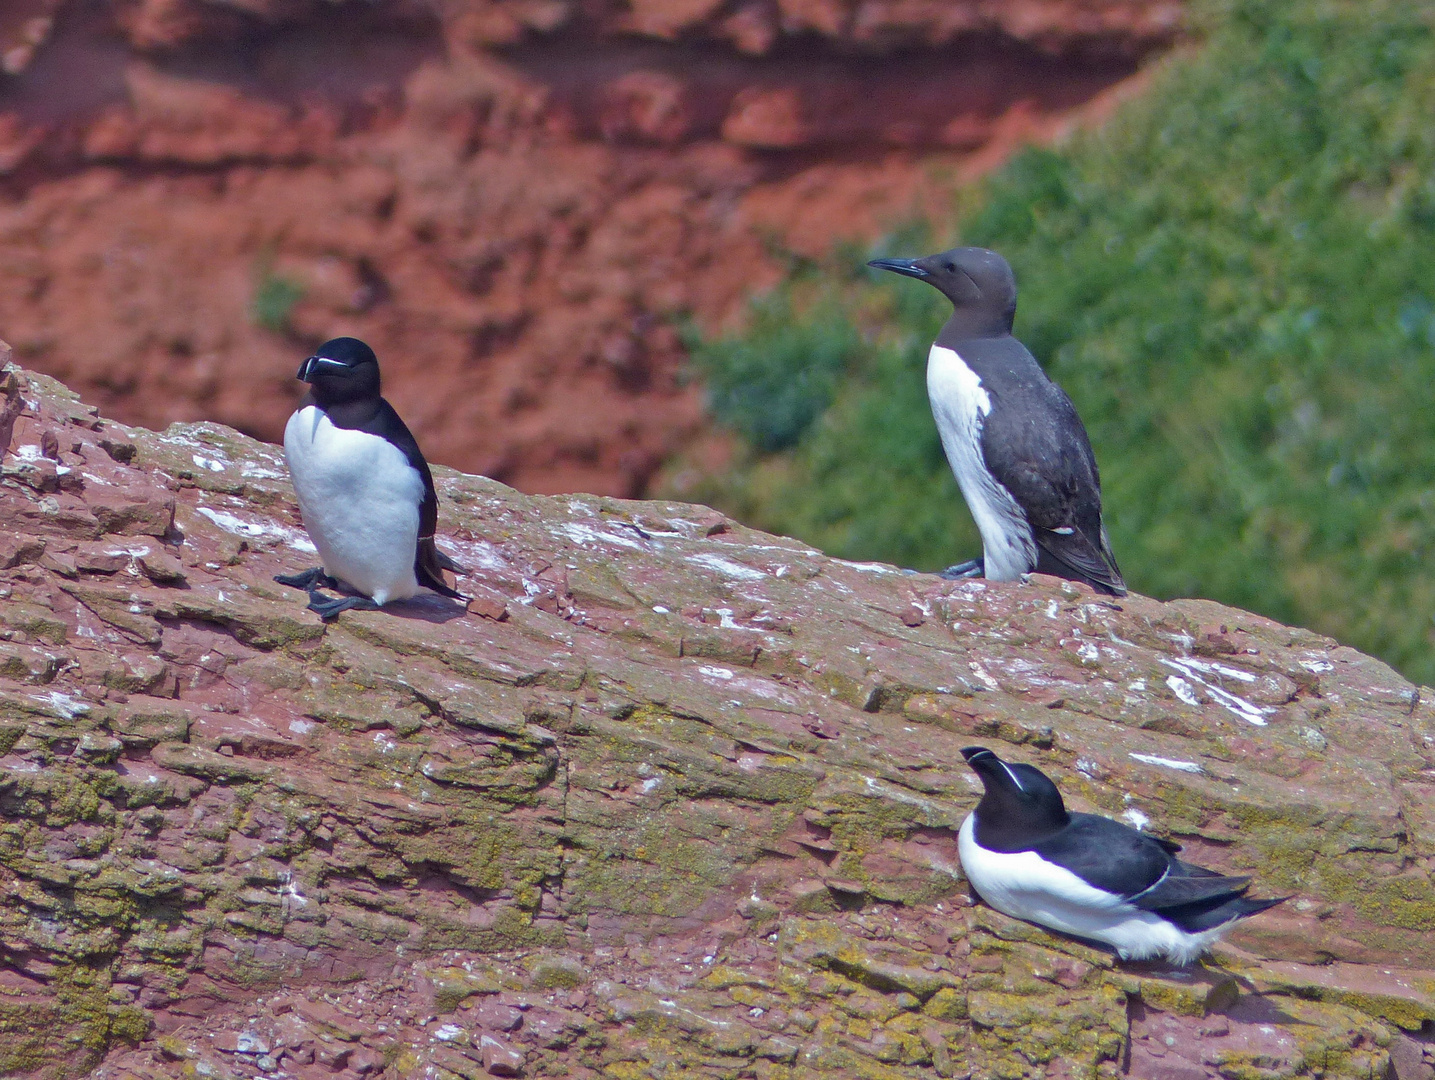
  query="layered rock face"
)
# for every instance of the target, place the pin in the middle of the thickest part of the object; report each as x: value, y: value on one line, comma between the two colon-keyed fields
x: 519, y: 203
x: 669, y: 798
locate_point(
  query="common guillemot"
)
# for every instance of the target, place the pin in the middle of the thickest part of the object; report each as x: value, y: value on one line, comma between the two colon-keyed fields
x: 1013, y: 439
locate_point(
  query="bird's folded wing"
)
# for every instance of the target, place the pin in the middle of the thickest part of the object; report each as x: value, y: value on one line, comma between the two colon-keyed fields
x: 1055, y: 520
x: 1108, y: 855
x: 1050, y: 471
x: 429, y: 564
x: 1080, y: 557
x: 1174, y: 891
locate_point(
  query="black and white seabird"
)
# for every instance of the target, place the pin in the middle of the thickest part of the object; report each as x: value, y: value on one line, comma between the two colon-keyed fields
x: 1019, y: 451
x: 1087, y: 875
x: 364, y: 488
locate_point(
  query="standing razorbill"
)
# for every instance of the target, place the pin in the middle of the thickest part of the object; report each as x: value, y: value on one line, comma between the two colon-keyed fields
x: 364, y: 488
x: 1019, y: 451
x: 1087, y: 875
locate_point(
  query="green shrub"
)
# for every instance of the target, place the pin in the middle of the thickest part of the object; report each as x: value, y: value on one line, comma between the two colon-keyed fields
x: 770, y: 383
x: 1235, y: 281
x: 274, y: 299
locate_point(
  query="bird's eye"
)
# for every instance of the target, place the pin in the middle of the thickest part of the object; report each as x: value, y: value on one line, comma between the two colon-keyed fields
x: 949, y: 266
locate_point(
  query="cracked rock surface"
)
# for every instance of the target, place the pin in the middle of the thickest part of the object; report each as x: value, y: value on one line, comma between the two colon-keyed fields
x: 670, y: 797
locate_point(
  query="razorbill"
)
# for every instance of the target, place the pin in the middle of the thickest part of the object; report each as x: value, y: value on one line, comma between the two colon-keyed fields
x: 365, y: 491
x: 1088, y: 875
x: 1019, y: 451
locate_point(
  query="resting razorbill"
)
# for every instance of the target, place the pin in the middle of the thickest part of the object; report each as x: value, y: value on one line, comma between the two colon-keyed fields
x: 1019, y: 451
x: 364, y: 488
x: 1087, y: 875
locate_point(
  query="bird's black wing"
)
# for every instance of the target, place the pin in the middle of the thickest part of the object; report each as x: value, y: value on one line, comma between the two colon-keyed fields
x: 429, y: 562
x: 1036, y: 446
x: 1107, y: 855
x: 1117, y: 859
x: 1197, y: 899
x: 1175, y: 892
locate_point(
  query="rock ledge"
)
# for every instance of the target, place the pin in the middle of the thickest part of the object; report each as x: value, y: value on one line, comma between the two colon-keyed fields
x: 672, y: 798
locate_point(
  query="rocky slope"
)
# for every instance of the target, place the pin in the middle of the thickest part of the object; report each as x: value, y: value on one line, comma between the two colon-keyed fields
x: 518, y: 202
x: 669, y: 798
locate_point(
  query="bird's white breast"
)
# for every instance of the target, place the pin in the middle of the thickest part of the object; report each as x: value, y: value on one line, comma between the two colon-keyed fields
x: 1025, y: 886
x: 360, y: 499
x: 960, y: 404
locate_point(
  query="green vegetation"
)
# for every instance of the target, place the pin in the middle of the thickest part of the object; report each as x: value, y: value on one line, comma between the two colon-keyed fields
x: 772, y: 383
x: 1235, y: 281
x: 275, y: 297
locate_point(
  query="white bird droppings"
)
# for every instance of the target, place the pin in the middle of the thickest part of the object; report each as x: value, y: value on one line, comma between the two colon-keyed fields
x: 1167, y: 763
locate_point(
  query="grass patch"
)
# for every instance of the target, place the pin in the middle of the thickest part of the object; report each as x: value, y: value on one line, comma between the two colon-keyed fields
x: 274, y: 300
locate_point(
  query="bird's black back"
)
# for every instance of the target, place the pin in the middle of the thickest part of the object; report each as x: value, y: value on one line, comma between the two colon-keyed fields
x: 1145, y: 871
x: 1107, y: 855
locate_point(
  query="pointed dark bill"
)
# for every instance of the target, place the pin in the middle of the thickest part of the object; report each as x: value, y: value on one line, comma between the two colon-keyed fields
x: 906, y: 267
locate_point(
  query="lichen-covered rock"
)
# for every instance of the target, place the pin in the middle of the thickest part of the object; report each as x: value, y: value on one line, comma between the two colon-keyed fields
x: 685, y: 807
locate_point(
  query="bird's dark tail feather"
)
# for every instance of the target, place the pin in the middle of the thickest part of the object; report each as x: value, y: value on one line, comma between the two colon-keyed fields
x: 1251, y: 907
x: 1194, y: 918
x: 1101, y: 575
x: 448, y: 563
x: 429, y: 564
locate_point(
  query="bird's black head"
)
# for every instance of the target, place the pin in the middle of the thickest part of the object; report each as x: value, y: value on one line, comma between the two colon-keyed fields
x: 341, y: 370
x: 978, y: 282
x: 1020, y: 800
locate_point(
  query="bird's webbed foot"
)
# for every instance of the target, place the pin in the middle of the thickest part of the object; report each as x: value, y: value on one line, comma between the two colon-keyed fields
x: 972, y: 568
x: 328, y: 609
x: 308, y: 580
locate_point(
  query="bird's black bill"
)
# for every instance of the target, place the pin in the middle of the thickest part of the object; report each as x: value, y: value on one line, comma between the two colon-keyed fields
x: 307, y: 370
x: 906, y: 267
x: 971, y: 753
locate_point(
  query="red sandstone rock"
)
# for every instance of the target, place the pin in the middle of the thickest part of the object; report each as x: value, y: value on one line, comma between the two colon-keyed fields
x: 497, y: 1017
x: 488, y: 603
x: 646, y: 106
x: 514, y: 201
x: 696, y: 811
x: 772, y: 119
x: 500, y: 1059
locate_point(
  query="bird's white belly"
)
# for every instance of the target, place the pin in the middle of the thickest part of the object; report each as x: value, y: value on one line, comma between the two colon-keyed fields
x: 360, y: 500
x: 1025, y: 886
x: 959, y: 405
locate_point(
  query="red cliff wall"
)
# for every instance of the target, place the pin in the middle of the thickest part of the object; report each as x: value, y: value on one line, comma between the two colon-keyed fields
x: 514, y: 201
